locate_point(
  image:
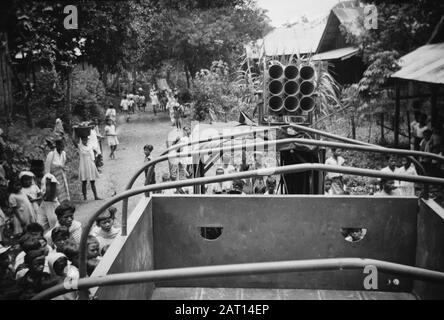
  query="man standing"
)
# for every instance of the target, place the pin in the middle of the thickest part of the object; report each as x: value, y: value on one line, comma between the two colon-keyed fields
x: 124, y: 105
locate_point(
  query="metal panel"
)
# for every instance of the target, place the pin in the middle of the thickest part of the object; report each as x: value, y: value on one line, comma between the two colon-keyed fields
x: 129, y: 254
x: 272, y: 294
x: 429, y: 252
x: 261, y: 229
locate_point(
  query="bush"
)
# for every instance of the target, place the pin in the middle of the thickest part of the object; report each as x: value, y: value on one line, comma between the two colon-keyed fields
x: 47, y: 99
x: 88, y: 93
x: 215, y: 90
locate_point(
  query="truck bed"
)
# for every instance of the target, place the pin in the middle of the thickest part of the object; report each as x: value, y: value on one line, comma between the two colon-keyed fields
x: 179, y: 293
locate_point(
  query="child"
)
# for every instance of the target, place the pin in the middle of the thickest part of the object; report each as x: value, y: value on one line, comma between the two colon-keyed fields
x: 36, y: 279
x: 388, y: 189
x: 110, y: 132
x: 31, y: 190
x: 9, y: 289
x: 105, y: 232
x: 147, y: 149
x: 29, y: 243
x: 59, y: 236
x: 327, y: 187
x: 65, y: 217
x: 93, y: 254
x: 60, y: 268
x: 177, y: 108
x: 238, y: 186
x: 23, y: 212
x: 111, y: 113
x: 270, y: 185
x: 46, y: 215
x: 71, y: 251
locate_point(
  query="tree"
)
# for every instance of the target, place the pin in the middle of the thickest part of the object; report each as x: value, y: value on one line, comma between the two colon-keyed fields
x: 402, y: 27
x: 196, y: 32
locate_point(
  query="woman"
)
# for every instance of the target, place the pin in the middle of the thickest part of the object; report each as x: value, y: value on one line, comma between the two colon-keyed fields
x: 56, y: 165
x: 87, y: 167
x: 58, y: 129
x: 111, y: 114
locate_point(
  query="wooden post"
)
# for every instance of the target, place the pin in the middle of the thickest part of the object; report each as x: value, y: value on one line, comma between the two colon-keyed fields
x: 6, y: 100
x: 408, y: 126
x: 434, y: 115
x: 382, y: 126
x: 397, y: 113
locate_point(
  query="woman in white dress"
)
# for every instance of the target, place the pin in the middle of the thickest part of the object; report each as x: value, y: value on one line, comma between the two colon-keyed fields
x: 56, y: 165
x: 87, y: 167
x: 111, y: 134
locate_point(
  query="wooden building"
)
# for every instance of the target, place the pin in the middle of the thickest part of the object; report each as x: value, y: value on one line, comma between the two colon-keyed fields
x: 421, y: 78
x: 344, y: 62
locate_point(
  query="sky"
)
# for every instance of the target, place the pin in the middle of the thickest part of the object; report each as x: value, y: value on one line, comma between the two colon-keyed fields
x: 282, y: 11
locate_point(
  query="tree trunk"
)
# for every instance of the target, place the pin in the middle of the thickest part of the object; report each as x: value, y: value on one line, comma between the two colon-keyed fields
x: 187, y: 75
x: 118, y: 83
x: 134, y: 79
x: 6, y: 100
x: 397, y: 115
x: 370, y: 129
x: 353, y: 126
x: 382, y: 128
x: 68, y: 97
x: 105, y: 78
x: 28, y: 93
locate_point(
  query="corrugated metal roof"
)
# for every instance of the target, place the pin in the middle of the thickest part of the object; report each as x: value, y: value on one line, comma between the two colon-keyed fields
x: 293, y: 40
x: 342, y: 53
x: 425, y: 64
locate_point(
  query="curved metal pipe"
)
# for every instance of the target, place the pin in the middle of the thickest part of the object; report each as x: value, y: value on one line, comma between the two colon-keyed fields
x: 247, y: 269
x: 240, y: 175
x: 352, y: 141
x: 365, y: 147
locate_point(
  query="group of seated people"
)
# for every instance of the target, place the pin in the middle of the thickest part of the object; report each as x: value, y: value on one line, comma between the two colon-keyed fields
x: 41, y: 260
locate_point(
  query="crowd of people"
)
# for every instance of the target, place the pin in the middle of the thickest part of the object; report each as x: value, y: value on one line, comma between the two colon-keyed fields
x: 334, y: 183
x: 165, y: 100
x: 182, y: 168
x: 47, y: 254
x: 39, y: 236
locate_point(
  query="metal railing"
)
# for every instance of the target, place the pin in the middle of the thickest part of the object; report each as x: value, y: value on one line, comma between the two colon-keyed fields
x: 366, y: 147
x: 240, y: 175
x: 245, y: 269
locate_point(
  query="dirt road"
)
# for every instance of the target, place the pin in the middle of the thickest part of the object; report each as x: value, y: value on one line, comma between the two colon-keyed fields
x: 144, y: 128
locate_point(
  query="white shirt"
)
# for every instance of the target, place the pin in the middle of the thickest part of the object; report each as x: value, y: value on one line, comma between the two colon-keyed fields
x: 407, y: 188
x: 55, y: 158
x: 420, y: 131
x: 333, y: 162
x: 94, y: 141
x: 124, y: 104
x: 111, y: 112
x: 110, y: 130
